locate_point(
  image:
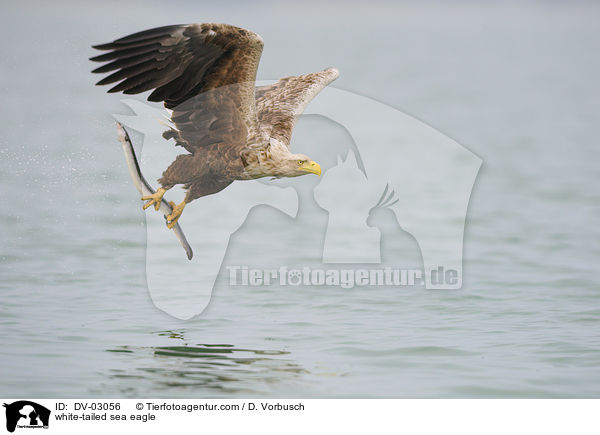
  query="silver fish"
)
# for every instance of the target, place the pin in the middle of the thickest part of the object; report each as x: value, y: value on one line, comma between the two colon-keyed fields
x: 144, y: 188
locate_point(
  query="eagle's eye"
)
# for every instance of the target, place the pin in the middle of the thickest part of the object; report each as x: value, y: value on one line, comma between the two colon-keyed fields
x: 300, y: 162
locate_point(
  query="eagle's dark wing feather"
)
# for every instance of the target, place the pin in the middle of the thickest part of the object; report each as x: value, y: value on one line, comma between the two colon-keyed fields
x: 205, y: 73
x: 279, y: 105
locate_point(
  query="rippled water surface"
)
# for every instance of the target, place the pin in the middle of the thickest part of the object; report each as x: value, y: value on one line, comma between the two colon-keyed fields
x: 516, y: 84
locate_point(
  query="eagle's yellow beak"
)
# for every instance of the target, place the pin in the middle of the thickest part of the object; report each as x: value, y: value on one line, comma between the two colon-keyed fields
x: 312, y: 167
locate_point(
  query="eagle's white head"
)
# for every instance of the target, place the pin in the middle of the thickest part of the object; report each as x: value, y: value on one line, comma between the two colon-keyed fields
x: 286, y: 164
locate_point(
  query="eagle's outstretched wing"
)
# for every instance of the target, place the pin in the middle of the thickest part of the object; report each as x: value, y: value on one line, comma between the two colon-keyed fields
x: 205, y: 73
x: 279, y: 105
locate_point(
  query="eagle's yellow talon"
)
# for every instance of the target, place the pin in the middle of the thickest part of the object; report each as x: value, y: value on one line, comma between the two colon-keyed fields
x: 155, y: 199
x: 175, y: 215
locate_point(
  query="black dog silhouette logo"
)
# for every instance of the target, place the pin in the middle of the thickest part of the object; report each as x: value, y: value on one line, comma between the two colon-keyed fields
x: 26, y: 414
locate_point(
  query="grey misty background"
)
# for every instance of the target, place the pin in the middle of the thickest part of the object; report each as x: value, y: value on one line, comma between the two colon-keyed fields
x: 515, y: 83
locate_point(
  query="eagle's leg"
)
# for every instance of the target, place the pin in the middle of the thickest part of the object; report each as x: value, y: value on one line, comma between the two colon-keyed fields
x: 196, y: 174
x: 176, y: 214
x: 155, y: 198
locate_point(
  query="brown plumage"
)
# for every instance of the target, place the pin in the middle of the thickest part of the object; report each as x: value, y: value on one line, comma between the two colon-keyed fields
x: 205, y: 74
